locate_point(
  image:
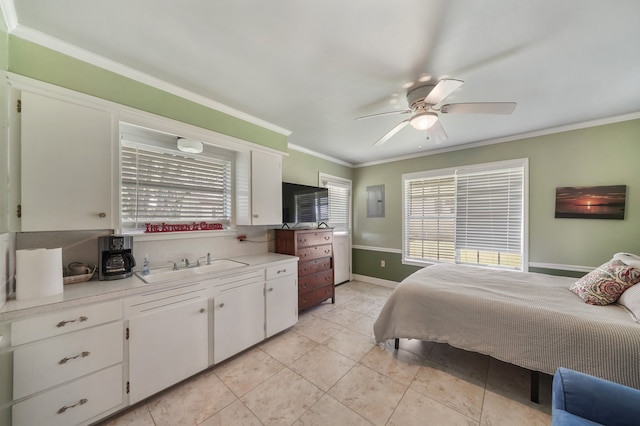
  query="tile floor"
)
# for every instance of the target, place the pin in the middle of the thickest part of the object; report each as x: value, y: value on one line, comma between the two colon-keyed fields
x: 327, y: 370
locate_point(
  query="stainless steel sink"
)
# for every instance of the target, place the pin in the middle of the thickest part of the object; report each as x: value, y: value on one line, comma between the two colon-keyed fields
x: 167, y: 274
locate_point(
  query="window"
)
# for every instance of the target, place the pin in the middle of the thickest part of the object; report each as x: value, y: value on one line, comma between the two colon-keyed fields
x: 339, y: 202
x: 160, y: 184
x: 470, y: 215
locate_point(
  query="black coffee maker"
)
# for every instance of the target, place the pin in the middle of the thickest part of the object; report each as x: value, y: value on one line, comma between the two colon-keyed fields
x: 116, y: 257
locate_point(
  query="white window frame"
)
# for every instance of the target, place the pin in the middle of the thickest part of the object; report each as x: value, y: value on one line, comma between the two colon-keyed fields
x: 477, y: 168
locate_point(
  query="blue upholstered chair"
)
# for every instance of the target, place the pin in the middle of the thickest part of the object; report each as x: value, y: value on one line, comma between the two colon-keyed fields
x: 581, y: 399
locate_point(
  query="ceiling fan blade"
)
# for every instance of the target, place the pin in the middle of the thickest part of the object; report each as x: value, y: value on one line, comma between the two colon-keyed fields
x: 479, y: 108
x: 437, y: 132
x: 392, y: 132
x: 384, y: 113
x: 443, y: 89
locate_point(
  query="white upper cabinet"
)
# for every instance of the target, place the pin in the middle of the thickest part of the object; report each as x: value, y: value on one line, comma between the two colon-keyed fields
x: 258, y: 188
x: 66, y: 165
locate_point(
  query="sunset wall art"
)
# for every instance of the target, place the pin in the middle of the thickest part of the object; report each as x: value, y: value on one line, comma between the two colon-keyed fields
x: 591, y: 202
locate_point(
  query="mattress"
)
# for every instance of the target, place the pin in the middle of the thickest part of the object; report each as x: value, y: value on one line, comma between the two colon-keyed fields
x: 527, y: 319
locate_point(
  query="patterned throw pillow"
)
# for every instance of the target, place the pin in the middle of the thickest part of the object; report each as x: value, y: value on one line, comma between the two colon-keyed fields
x: 605, y: 284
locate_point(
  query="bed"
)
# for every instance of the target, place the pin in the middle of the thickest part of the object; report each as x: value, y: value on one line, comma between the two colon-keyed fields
x: 527, y: 319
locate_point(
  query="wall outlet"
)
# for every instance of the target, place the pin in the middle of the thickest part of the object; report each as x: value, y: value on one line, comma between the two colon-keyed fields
x: 382, y: 264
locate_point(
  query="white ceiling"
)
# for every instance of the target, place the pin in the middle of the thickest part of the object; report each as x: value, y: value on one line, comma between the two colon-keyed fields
x: 312, y: 67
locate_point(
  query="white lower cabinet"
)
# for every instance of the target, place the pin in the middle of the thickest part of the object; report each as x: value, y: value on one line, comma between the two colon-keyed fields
x: 68, y: 366
x: 281, y: 297
x: 168, y: 340
x: 238, y: 319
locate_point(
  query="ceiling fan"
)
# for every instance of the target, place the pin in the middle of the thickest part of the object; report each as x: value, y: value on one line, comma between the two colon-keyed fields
x: 422, y: 101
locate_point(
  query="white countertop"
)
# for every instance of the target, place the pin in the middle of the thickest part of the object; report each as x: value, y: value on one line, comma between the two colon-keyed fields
x: 97, y: 291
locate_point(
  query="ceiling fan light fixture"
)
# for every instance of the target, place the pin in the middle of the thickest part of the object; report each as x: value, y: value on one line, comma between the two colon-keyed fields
x: 190, y: 145
x: 424, y: 120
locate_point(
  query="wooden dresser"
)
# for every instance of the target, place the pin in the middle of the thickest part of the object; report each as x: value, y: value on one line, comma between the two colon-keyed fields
x: 314, y: 247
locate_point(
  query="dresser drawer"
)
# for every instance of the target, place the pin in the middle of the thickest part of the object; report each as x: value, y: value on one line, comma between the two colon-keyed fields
x: 274, y: 272
x: 54, y: 361
x: 55, y: 324
x: 313, y: 266
x: 314, y: 238
x: 306, y: 300
x: 311, y: 282
x: 73, y: 403
x: 315, y: 252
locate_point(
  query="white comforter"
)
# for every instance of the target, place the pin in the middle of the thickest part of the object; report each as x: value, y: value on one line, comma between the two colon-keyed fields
x: 531, y: 320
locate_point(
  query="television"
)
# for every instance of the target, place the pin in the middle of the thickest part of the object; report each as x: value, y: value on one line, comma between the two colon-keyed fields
x: 304, y: 204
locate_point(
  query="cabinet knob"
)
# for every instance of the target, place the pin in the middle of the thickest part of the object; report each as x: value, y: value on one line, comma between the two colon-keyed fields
x: 255, y: 215
x: 102, y: 215
x: 66, y: 407
x: 63, y: 323
x: 271, y: 289
x: 69, y: 358
x: 222, y: 305
x: 202, y: 310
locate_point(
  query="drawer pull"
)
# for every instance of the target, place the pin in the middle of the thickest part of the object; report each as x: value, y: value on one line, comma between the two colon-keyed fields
x: 304, y: 285
x: 63, y: 323
x: 281, y: 271
x: 69, y: 358
x: 305, y: 299
x: 66, y: 407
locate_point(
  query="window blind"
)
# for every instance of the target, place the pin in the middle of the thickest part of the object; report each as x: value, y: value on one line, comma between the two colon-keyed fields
x: 339, y: 203
x: 473, y: 215
x: 157, y: 186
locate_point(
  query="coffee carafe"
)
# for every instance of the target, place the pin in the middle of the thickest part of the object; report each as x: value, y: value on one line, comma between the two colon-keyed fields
x: 116, y: 257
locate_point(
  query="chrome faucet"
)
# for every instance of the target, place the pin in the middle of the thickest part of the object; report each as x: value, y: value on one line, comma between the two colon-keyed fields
x: 208, y: 257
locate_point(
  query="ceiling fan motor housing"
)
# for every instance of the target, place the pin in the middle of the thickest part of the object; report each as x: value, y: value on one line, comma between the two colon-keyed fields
x: 415, y: 97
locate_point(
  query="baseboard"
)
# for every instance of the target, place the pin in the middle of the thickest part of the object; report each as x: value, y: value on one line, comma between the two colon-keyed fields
x: 373, y: 280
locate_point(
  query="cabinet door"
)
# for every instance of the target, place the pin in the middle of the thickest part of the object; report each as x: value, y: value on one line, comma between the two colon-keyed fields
x: 66, y: 165
x: 266, y: 189
x: 238, y: 320
x: 281, y: 303
x: 166, y: 346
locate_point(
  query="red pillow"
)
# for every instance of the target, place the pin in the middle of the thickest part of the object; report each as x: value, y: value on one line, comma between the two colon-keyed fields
x: 605, y: 284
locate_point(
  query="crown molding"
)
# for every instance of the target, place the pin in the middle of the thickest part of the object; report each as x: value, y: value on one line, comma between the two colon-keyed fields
x: 84, y: 55
x: 319, y: 155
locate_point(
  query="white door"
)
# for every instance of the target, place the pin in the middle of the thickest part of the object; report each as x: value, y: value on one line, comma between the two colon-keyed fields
x: 340, y: 221
x: 238, y: 320
x: 166, y: 346
x: 66, y: 165
x: 281, y: 303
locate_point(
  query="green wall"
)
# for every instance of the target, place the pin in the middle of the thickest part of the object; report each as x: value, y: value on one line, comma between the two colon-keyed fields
x: 4, y: 118
x: 40, y: 63
x: 603, y: 155
x: 303, y: 168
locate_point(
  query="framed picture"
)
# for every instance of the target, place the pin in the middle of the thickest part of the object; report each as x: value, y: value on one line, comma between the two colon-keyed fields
x: 591, y: 202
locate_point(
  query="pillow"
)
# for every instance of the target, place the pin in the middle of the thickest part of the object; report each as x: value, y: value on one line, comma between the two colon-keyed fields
x: 605, y: 284
x: 630, y: 299
x: 628, y: 259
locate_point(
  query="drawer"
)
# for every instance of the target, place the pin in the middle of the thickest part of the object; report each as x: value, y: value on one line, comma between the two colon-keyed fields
x: 54, y: 361
x: 279, y: 271
x: 316, y: 252
x: 313, y: 266
x: 314, y: 238
x: 306, y: 300
x: 159, y: 299
x: 311, y: 282
x: 73, y: 403
x: 62, y: 322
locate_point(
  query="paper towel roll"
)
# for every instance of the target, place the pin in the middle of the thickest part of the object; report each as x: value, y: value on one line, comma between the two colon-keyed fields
x: 38, y: 273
